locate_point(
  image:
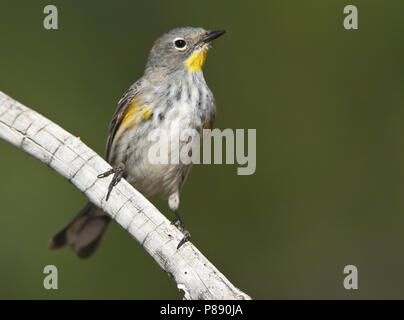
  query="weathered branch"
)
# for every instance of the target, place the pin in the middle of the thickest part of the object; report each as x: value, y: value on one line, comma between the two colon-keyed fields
x: 72, y: 159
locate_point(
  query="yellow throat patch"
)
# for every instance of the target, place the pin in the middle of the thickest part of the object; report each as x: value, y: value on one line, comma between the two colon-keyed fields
x: 196, y: 60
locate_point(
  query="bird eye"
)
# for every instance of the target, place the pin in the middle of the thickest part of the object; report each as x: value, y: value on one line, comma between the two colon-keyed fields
x: 180, y: 44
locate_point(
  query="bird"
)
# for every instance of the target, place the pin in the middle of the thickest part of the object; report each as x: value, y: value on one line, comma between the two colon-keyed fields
x: 171, y: 95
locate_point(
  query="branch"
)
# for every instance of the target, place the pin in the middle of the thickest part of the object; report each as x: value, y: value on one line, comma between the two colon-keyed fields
x: 72, y: 159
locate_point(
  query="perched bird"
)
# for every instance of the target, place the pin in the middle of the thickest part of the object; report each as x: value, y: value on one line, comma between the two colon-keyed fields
x: 172, y: 95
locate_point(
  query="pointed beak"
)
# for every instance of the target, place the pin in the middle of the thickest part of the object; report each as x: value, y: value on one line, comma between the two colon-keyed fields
x: 212, y: 35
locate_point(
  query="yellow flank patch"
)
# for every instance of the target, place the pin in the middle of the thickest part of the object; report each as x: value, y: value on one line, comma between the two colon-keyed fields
x: 130, y: 114
x: 196, y: 60
x: 134, y: 114
x: 147, y: 113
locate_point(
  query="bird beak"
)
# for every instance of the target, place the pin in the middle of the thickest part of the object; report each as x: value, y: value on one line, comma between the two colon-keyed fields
x: 212, y: 35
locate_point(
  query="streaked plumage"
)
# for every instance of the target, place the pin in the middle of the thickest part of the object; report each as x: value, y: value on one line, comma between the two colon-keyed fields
x: 172, y: 95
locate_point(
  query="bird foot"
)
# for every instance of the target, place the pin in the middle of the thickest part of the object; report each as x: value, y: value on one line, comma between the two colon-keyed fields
x: 118, y: 173
x: 187, y: 236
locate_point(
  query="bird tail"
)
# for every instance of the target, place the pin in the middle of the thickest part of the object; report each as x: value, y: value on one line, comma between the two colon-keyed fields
x: 84, y: 233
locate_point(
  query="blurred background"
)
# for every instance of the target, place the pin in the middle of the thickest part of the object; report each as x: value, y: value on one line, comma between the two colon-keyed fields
x: 327, y: 104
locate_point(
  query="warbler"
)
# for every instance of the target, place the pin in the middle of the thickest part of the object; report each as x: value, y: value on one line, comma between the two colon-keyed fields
x: 171, y: 95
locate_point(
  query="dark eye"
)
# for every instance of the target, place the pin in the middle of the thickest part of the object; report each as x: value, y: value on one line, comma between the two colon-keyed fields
x: 180, y: 44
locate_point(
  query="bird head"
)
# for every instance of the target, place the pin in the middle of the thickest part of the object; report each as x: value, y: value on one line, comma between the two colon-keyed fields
x: 181, y: 49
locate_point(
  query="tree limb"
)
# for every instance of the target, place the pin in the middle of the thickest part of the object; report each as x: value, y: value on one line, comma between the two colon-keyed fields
x: 72, y: 159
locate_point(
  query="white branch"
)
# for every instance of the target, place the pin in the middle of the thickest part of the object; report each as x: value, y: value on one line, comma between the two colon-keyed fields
x: 72, y: 159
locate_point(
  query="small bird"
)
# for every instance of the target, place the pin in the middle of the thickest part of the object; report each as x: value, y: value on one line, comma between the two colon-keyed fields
x: 172, y: 95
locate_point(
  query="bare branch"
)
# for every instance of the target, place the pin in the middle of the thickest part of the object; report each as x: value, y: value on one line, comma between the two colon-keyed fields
x: 72, y: 159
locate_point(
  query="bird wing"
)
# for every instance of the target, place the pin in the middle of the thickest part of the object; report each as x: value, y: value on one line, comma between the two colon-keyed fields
x: 120, y: 112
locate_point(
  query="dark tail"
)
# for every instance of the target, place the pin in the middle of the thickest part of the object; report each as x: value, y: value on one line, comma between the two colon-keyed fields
x: 84, y: 232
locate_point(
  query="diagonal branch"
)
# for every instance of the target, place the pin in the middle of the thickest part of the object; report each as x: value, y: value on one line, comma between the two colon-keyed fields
x: 72, y: 159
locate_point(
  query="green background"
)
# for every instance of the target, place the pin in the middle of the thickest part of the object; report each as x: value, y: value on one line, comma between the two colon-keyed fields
x: 327, y: 104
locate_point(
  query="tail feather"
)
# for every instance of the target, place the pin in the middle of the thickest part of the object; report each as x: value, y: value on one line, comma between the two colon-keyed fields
x: 84, y: 233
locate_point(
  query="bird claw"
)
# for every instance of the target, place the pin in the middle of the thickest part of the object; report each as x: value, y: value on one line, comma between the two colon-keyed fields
x: 186, y: 238
x: 106, y: 174
x: 180, y: 225
x: 118, y: 173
